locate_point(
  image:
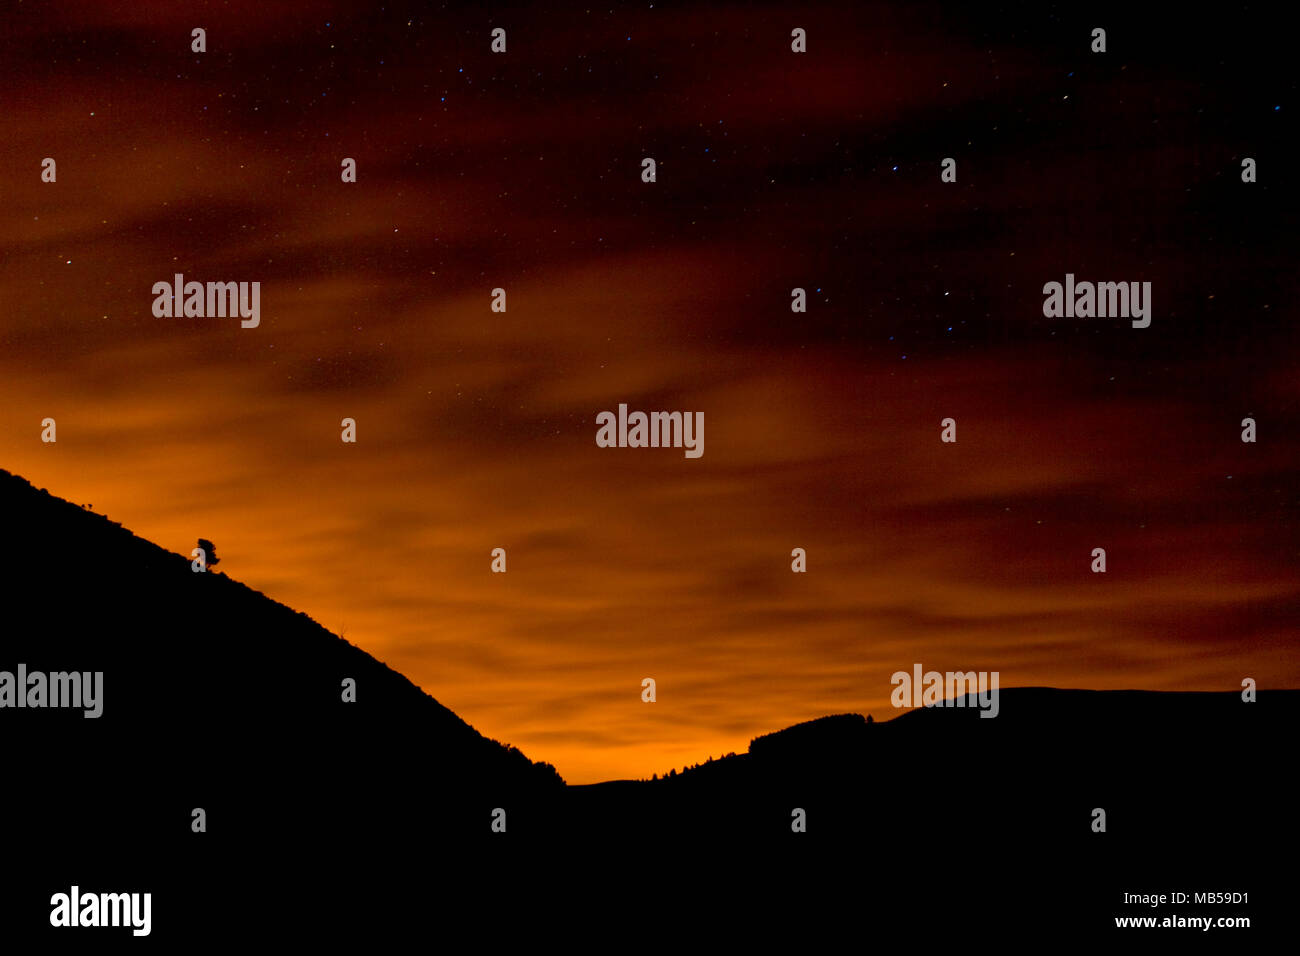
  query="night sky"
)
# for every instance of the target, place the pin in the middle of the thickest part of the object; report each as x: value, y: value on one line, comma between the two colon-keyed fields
x: 775, y: 170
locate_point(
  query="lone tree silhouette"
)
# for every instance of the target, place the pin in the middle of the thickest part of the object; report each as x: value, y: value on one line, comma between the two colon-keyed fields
x: 209, y: 552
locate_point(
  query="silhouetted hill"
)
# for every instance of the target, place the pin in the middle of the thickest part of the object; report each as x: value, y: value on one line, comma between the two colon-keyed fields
x: 377, y: 813
x: 239, y: 696
x: 1153, y: 760
x: 940, y: 818
x: 836, y: 734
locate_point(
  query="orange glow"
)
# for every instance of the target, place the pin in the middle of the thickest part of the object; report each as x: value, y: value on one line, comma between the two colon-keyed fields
x: 476, y: 429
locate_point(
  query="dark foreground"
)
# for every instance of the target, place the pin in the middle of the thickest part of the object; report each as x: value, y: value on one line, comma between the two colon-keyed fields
x: 373, y: 820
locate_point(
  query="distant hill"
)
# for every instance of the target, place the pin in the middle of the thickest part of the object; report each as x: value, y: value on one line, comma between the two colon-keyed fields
x: 1160, y: 763
x: 836, y: 733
